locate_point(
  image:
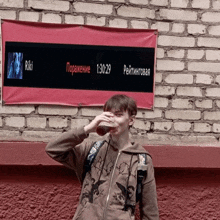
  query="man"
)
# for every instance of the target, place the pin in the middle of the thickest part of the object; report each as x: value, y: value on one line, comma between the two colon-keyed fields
x: 109, y: 188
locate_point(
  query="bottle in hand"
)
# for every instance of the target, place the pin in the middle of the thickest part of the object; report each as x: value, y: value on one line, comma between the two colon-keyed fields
x: 105, y: 127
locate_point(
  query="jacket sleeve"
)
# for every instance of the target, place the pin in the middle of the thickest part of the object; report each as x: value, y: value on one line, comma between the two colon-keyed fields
x: 148, y: 204
x: 68, y: 150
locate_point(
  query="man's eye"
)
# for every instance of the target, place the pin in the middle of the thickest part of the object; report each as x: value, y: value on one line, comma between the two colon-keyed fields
x: 118, y: 114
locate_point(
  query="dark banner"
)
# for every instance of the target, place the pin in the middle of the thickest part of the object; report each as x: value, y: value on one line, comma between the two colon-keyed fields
x: 79, y: 67
x: 76, y: 73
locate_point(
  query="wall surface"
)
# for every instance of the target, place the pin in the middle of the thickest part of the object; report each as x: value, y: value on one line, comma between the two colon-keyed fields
x: 187, y: 79
x: 50, y: 193
x: 186, y: 111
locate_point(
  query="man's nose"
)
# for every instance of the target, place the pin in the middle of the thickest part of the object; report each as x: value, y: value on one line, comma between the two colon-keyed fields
x: 113, y: 117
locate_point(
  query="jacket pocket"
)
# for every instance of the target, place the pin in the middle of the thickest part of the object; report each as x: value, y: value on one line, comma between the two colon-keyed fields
x: 115, y: 214
x: 89, y: 211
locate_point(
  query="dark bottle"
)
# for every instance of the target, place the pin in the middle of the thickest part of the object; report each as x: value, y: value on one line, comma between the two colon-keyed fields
x: 105, y: 127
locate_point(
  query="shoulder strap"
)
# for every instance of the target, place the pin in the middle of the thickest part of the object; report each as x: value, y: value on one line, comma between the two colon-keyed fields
x: 91, y: 156
x: 141, y: 173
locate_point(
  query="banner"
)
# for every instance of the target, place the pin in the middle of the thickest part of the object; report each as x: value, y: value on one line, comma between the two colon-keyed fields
x: 76, y: 65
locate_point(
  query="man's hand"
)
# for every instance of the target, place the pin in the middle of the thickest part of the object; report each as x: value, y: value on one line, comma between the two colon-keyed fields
x: 105, y: 116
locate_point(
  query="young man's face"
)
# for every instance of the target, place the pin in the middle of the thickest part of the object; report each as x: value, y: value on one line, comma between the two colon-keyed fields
x: 123, y: 122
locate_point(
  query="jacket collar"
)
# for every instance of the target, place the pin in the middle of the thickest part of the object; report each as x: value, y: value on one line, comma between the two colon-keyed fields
x: 134, y: 148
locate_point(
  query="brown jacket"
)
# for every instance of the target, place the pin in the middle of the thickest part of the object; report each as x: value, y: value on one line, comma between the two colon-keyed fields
x: 111, y: 183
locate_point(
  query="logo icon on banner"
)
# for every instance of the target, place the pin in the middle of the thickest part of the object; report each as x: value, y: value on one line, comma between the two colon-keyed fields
x: 15, y: 65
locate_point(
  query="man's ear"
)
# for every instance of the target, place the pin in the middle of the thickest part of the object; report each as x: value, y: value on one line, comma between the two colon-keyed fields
x: 131, y: 120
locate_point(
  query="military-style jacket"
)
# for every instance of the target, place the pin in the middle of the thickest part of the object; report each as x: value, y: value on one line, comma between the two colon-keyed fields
x: 109, y: 189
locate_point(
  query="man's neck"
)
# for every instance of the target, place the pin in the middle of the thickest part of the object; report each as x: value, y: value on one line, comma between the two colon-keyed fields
x: 121, y: 142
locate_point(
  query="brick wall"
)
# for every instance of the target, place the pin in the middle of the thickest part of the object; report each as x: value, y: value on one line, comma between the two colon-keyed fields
x: 187, y: 93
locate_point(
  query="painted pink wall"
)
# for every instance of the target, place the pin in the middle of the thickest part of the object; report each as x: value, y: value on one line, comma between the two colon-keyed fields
x: 51, y: 192
x: 188, y: 194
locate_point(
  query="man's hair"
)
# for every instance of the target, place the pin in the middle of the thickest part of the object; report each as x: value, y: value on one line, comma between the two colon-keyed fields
x: 121, y: 103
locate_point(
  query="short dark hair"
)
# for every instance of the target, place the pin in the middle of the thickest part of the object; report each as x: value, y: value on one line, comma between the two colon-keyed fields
x: 122, y: 103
